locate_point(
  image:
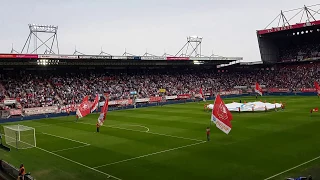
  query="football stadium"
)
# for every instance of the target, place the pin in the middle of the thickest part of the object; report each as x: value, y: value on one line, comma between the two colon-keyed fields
x: 164, y: 117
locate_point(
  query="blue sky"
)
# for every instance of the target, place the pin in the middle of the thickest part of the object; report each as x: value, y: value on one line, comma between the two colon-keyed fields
x: 227, y: 27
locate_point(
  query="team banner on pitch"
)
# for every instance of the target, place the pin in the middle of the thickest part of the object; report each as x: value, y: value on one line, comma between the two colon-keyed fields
x: 258, y: 89
x: 221, y: 116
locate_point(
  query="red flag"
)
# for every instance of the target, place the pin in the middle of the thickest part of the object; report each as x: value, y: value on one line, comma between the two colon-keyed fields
x: 95, y: 104
x: 315, y: 110
x: 258, y: 89
x: 316, y: 85
x: 104, y: 112
x: 202, y: 94
x: 221, y: 116
x: 84, y: 108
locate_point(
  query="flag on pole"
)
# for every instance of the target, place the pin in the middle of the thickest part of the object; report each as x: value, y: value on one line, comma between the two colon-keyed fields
x: 104, y: 112
x: 221, y: 116
x: 258, y: 89
x: 84, y: 108
x: 95, y: 104
x: 202, y: 94
x: 316, y: 85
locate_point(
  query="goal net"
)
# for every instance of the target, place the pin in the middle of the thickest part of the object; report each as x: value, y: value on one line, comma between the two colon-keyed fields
x: 19, y: 136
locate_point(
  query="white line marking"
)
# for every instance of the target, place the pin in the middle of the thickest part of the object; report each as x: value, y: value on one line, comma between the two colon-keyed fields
x: 179, y: 137
x: 108, y: 175
x: 292, y: 168
x: 159, y: 152
x: 70, y: 148
x: 66, y: 138
x: 117, y: 126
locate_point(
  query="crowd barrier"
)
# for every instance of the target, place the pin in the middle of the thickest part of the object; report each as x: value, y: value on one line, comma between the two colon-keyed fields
x: 142, y: 105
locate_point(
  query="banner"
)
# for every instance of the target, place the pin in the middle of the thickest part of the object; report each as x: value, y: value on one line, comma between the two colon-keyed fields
x: 15, y: 112
x: 178, y: 58
x: 162, y: 90
x: 120, y: 102
x: 142, y: 100
x: 41, y: 110
x: 234, y: 92
x: 94, y: 57
x: 171, y: 97
x: 308, y: 90
x: 119, y: 57
x: 9, y: 101
x: 27, y: 56
x: 155, y: 99
x: 153, y: 58
x: 184, y: 96
x: 284, y: 90
x: 133, y: 57
x: 7, y: 56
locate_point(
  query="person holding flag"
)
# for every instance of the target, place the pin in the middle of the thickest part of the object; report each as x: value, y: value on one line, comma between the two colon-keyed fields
x: 98, y: 127
x: 316, y: 85
x: 103, y: 114
x: 208, y: 133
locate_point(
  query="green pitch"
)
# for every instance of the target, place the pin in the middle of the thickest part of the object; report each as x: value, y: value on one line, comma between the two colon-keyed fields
x: 169, y: 142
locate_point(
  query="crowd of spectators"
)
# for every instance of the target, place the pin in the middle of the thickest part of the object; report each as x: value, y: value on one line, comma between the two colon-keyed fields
x: 38, y: 90
x: 300, y: 53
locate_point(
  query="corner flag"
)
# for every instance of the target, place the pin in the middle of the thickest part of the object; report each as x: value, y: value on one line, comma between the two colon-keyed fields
x: 221, y: 116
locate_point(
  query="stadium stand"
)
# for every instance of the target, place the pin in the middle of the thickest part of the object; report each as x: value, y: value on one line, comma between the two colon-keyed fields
x: 60, y: 88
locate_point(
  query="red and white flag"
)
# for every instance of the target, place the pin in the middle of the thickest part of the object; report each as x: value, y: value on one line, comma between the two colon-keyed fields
x: 84, y: 108
x: 95, y: 104
x: 316, y: 85
x: 221, y: 116
x: 258, y: 89
x: 202, y: 94
x: 104, y: 112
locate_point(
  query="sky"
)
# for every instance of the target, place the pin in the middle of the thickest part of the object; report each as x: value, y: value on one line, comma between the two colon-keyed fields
x: 228, y: 27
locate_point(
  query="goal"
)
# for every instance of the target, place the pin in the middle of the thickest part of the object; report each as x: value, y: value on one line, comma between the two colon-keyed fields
x: 19, y: 136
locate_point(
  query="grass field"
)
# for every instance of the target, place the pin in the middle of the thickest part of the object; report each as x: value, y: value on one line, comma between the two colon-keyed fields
x: 168, y: 142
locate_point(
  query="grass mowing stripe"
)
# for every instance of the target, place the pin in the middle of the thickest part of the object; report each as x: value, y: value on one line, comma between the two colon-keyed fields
x: 179, y: 137
x: 66, y: 138
x: 292, y: 168
x: 93, y: 169
x: 159, y: 152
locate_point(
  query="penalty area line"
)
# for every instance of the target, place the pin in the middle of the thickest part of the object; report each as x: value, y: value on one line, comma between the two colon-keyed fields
x: 66, y: 138
x: 77, y: 147
x: 93, y: 169
x: 292, y: 168
x: 151, y: 154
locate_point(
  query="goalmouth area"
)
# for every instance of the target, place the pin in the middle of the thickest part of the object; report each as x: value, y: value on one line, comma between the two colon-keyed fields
x: 169, y: 142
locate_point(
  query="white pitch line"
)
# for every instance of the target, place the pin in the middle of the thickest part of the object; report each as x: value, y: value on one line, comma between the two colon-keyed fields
x: 292, y: 168
x: 179, y: 137
x: 66, y: 138
x: 70, y: 148
x: 147, y: 129
x: 108, y: 175
x: 159, y: 152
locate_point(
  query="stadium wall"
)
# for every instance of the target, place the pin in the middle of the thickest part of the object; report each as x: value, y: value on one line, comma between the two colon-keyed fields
x: 43, y: 116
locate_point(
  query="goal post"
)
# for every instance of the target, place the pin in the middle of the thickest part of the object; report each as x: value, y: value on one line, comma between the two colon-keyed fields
x: 20, y: 136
